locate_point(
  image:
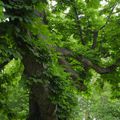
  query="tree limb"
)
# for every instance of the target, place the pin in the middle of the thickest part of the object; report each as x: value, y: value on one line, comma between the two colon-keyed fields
x: 108, y: 17
x: 97, y: 68
x: 78, y: 23
x: 89, y: 63
x: 96, y: 32
x: 68, y: 68
x: 95, y: 36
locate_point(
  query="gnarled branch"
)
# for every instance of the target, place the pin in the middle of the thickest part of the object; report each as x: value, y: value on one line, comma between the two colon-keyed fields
x: 89, y: 63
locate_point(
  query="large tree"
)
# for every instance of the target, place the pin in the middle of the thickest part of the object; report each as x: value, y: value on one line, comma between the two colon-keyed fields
x: 84, y: 36
x: 24, y: 31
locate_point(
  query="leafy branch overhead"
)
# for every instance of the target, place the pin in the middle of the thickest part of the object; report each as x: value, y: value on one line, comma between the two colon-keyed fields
x: 85, y: 35
x: 87, y: 63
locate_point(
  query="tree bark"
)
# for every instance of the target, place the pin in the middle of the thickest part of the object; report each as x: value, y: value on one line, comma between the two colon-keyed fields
x: 40, y: 107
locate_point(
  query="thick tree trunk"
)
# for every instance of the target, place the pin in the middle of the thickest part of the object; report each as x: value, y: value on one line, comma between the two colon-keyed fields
x: 40, y: 108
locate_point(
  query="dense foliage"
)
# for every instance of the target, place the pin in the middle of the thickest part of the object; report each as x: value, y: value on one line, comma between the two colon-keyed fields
x: 76, y: 43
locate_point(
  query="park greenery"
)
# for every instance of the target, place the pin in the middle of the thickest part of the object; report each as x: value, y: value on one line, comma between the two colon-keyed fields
x: 59, y: 59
